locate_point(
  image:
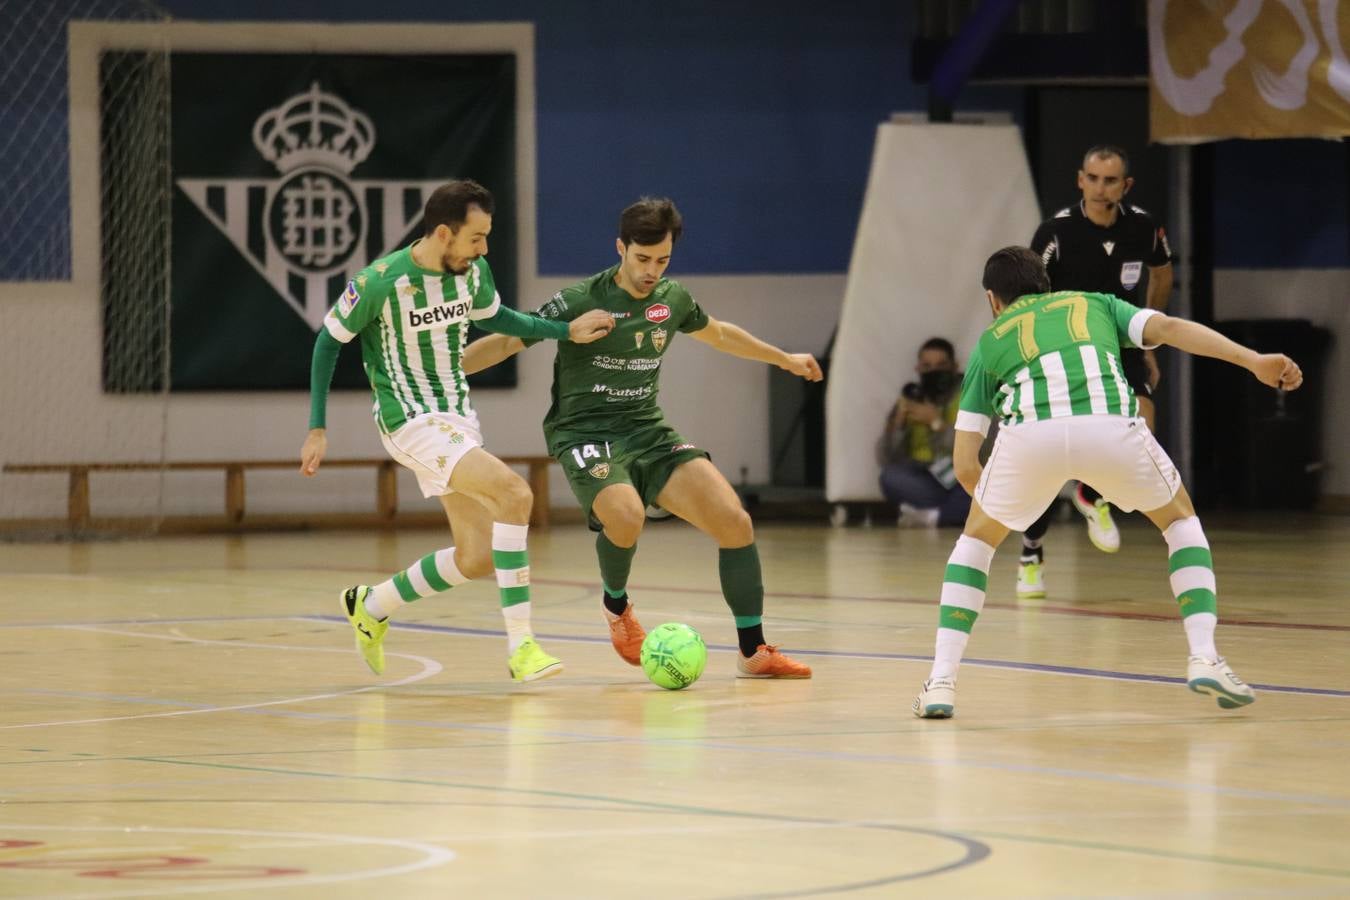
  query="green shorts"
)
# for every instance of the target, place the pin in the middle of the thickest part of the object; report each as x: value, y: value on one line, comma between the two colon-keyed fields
x: 644, y: 458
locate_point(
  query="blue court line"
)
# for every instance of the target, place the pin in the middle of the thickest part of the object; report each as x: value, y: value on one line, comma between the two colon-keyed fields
x: 1079, y: 671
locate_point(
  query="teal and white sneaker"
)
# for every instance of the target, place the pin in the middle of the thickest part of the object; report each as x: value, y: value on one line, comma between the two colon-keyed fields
x: 531, y: 663
x: 1102, y: 530
x: 1214, y: 677
x: 937, y: 700
x: 369, y: 630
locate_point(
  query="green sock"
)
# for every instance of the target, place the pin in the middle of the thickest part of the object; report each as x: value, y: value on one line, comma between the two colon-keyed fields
x: 742, y: 583
x: 615, y: 564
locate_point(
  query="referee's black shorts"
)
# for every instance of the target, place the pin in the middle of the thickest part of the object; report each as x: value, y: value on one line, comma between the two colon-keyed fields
x: 1136, y: 372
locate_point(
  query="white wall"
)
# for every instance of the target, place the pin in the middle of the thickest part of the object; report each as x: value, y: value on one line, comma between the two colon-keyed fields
x: 940, y: 199
x: 1323, y: 297
x: 54, y: 409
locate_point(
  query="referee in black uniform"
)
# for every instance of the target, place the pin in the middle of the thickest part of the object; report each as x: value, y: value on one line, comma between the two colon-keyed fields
x: 1103, y: 245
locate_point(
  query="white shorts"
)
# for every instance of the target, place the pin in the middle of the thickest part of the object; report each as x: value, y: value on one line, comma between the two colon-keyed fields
x: 1030, y: 463
x: 431, y: 445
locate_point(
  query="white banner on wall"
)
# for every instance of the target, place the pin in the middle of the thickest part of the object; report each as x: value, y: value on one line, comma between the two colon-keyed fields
x: 940, y: 199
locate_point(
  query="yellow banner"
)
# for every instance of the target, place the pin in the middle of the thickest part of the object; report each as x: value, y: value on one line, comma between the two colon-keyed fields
x: 1248, y: 69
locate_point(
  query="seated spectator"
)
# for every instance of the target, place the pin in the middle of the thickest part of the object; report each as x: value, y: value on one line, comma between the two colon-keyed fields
x: 915, y: 450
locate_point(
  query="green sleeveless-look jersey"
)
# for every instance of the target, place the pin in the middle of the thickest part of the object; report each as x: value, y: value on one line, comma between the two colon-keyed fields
x: 413, y: 324
x: 1048, y: 356
x: 608, y: 388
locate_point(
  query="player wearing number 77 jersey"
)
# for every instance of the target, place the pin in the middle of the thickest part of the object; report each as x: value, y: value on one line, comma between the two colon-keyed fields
x: 1049, y: 368
x: 612, y: 440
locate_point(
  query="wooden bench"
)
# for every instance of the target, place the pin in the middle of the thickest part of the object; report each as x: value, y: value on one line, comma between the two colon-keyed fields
x: 386, y: 482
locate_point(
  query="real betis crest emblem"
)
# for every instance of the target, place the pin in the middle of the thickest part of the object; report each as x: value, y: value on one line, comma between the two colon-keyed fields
x: 659, y: 339
x: 600, y: 470
x: 309, y: 230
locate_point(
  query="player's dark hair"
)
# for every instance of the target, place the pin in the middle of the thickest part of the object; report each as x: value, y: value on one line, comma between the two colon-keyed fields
x: 449, y: 204
x: 1015, y: 272
x: 937, y: 343
x: 648, y: 221
x: 1106, y: 151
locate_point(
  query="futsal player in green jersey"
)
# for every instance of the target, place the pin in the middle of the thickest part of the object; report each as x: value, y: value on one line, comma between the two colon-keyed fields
x: 412, y: 311
x: 1049, y: 368
x: 615, y: 446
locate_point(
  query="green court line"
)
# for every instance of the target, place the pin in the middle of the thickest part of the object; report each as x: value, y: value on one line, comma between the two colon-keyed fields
x: 1165, y: 854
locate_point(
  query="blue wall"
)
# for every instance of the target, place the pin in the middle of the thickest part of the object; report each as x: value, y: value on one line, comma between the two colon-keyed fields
x: 758, y: 119
x: 1281, y: 205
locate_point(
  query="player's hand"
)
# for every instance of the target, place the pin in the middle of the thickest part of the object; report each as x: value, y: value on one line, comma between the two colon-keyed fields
x: 312, y: 451
x: 1278, y: 371
x: 590, y: 326
x: 803, y: 365
x: 1154, y: 373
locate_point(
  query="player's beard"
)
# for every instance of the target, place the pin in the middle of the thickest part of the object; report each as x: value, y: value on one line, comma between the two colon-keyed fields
x: 448, y: 263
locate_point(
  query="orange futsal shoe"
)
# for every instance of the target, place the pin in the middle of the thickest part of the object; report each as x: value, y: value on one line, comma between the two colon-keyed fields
x: 769, y: 663
x: 626, y: 634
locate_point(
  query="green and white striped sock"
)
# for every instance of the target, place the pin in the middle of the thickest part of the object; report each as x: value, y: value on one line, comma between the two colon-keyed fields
x: 512, y: 563
x: 432, y: 574
x: 1191, y: 571
x: 963, y: 587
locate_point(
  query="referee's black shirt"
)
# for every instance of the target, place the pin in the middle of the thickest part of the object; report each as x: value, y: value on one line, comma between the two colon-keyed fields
x: 1081, y: 255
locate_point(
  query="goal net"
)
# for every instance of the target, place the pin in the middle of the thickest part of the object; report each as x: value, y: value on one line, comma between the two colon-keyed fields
x: 84, y: 256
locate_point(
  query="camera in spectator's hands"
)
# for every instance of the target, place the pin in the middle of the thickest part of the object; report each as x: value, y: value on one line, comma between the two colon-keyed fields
x: 932, y: 387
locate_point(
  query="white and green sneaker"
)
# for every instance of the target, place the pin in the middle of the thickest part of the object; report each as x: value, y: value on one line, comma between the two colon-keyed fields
x: 1214, y: 677
x: 369, y: 630
x: 1102, y: 530
x: 937, y: 700
x: 531, y: 663
x: 1030, y: 580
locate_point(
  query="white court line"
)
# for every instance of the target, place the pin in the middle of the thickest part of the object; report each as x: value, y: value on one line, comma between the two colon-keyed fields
x: 431, y: 856
x: 430, y: 668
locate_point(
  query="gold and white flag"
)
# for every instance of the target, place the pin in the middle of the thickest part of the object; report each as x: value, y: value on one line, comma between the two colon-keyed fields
x: 1248, y: 69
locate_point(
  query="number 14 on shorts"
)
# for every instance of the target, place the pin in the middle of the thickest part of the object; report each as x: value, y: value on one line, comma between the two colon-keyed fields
x: 587, y: 452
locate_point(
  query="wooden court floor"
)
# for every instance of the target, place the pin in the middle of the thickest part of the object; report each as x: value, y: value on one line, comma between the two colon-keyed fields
x: 187, y: 716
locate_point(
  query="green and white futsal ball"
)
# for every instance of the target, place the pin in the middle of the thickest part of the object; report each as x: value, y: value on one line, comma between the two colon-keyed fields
x: 673, y: 656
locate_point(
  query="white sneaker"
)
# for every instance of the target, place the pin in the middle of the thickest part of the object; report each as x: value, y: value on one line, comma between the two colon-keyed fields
x: 1031, y: 581
x: 915, y: 517
x: 1215, y: 678
x: 937, y: 700
x: 1102, y: 530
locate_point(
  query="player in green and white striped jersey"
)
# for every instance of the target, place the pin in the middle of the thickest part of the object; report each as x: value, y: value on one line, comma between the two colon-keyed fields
x: 412, y: 311
x: 1049, y: 368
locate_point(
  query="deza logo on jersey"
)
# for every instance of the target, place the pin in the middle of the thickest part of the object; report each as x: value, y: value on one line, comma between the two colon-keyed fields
x: 658, y: 312
x: 439, y: 315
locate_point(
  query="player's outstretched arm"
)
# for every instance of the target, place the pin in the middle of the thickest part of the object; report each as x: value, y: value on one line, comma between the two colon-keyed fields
x: 1273, y: 369
x: 486, y: 352
x: 321, y: 367
x: 737, y: 341
x: 590, y: 326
